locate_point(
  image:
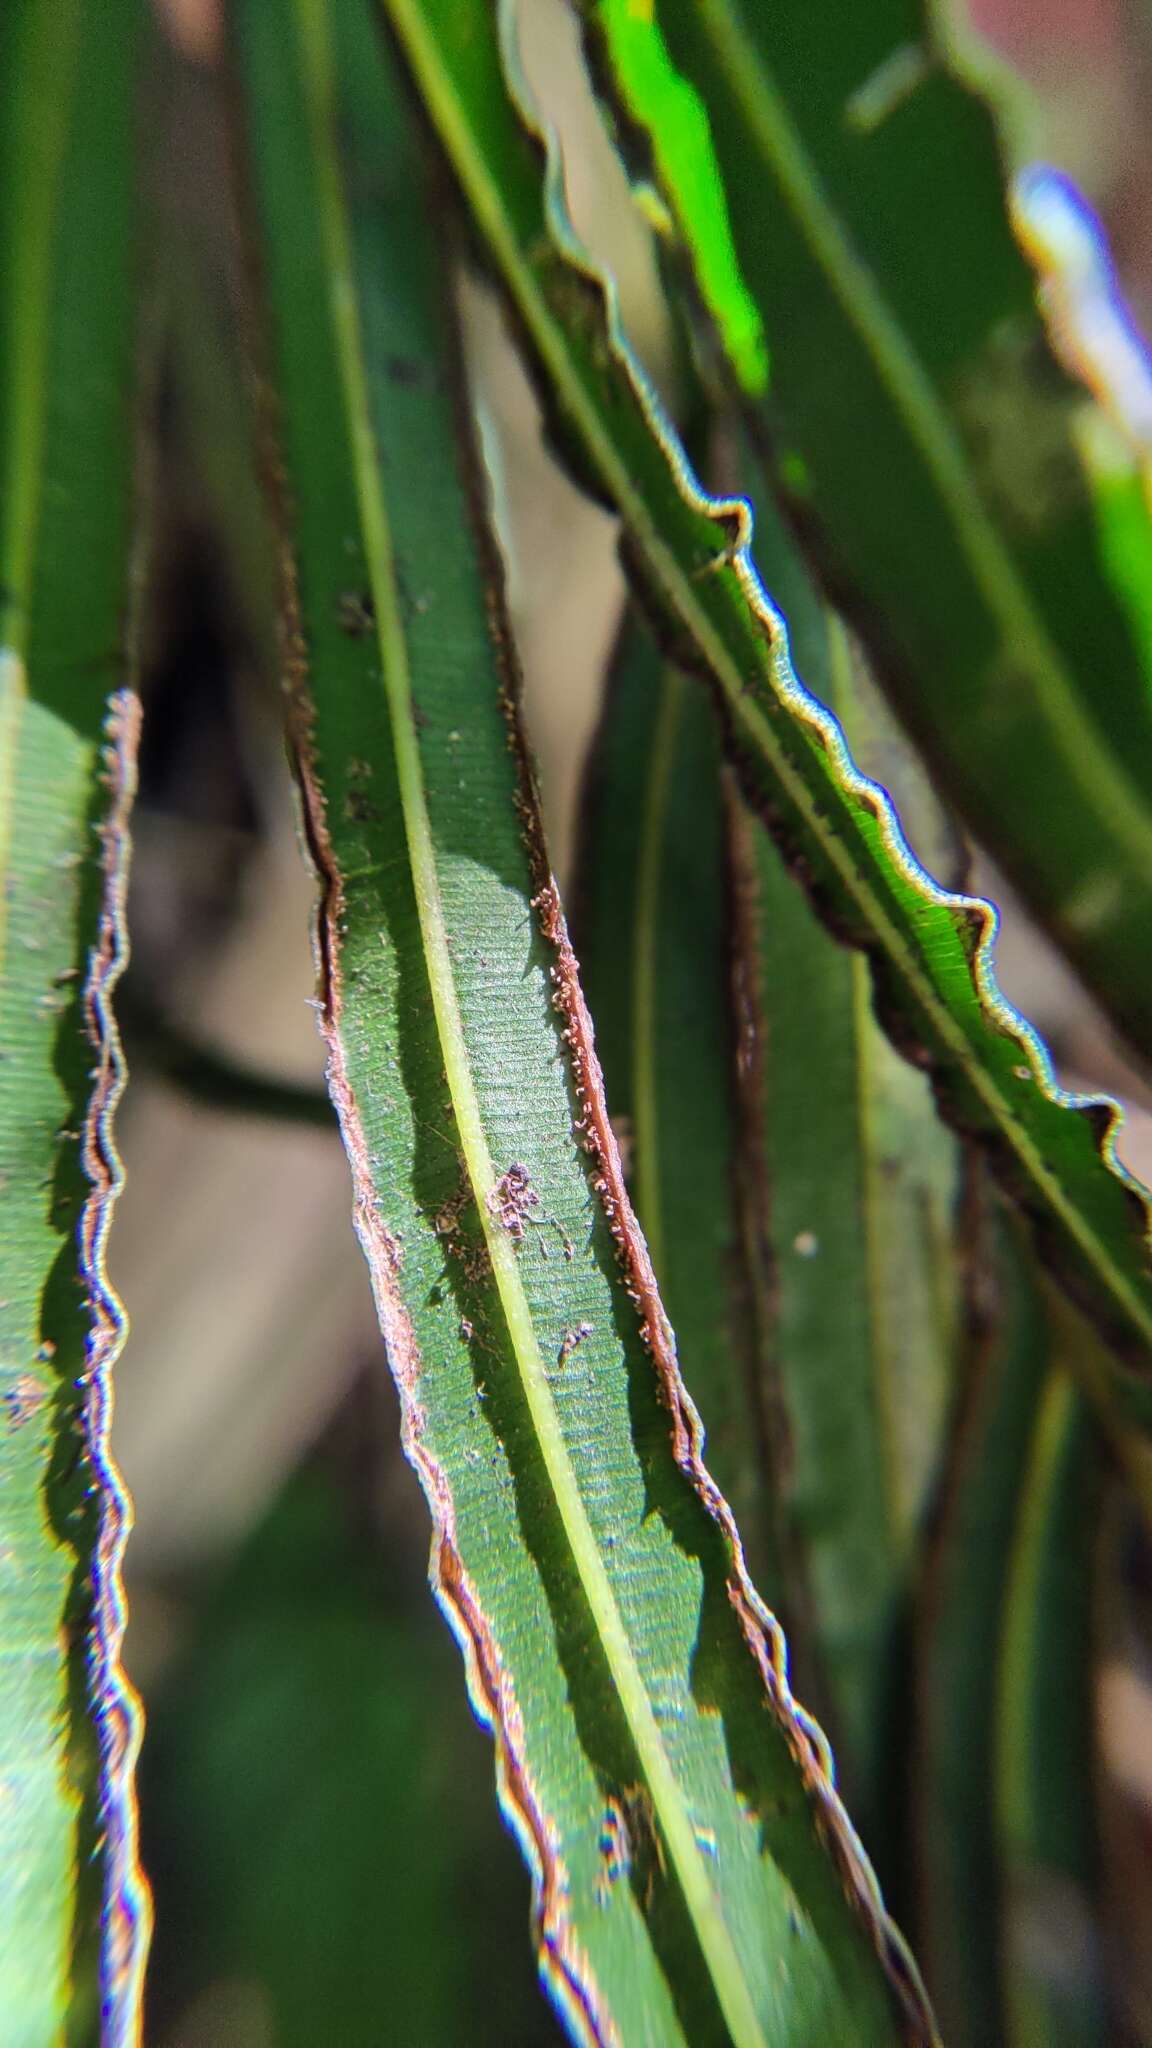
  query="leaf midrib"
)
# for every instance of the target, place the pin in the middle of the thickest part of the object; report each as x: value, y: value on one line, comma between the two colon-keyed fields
x: 486, y: 203
x: 712, y: 1932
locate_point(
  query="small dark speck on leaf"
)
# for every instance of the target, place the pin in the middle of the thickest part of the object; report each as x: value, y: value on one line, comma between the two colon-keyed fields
x: 512, y: 1200
x: 569, y: 1341
x: 405, y: 370
x: 356, y: 614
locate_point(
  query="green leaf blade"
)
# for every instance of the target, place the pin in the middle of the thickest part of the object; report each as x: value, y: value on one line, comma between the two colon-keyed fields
x: 794, y: 1183
x: 860, y: 1243
x: 930, y: 949
x: 905, y: 344
x: 591, y: 1575
x: 653, y: 934
x: 1002, y: 1797
x: 1054, y: 1988
x: 76, y: 1917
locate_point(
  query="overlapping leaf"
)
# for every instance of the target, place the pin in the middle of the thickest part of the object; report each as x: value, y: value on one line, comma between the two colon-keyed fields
x: 653, y: 934
x: 695, y: 1878
x: 797, y: 1191
x: 931, y: 951
x: 861, y: 1239
x: 1047, y: 1847
x: 72, y: 1911
x: 1002, y: 1790
x: 864, y: 187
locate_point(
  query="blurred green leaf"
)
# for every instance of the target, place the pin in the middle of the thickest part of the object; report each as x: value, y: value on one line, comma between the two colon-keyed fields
x: 1045, y: 1747
x: 931, y: 447
x: 694, y: 1875
x: 1002, y: 1794
x: 961, y: 1622
x: 315, y: 1815
x: 73, y: 1916
x: 930, y: 951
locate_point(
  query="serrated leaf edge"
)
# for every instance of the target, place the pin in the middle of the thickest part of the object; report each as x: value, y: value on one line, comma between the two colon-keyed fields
x: 975, y: 920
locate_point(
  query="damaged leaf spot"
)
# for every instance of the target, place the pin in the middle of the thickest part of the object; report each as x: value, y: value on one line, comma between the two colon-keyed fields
x: 569, y: 1341
x: 513, y: 1200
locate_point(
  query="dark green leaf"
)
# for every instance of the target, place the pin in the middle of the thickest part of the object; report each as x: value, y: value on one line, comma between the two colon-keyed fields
x: 1045, y: 1744
x: 695, y: 1878
x: 653, y: 932
x: 937, y: 458
x: 1002, y: 1793
x: 931, y: 950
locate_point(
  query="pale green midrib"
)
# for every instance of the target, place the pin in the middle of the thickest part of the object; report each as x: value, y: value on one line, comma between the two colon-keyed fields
x: 716, y: 1943
x: 1092, y: 764
x: 27, y: 290
x: 646, y: 1004
x: 679, y: 592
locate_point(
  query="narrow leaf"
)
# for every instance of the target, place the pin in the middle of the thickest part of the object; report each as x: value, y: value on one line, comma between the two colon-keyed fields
x: 905, y: 344
x: 791, y: 1177
x: 1045, y: 1748
x: 74, y: 1917
x: 931, y: 950
x: 1002, y: 1792
x: 695, y: 1877
x: 960, y: 1624
x: 653, y: 933
x: 861, y: 1260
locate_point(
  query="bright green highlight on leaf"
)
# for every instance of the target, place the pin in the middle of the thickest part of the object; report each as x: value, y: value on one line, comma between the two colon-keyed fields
x: 944, y: 500
x: 688, y: 174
